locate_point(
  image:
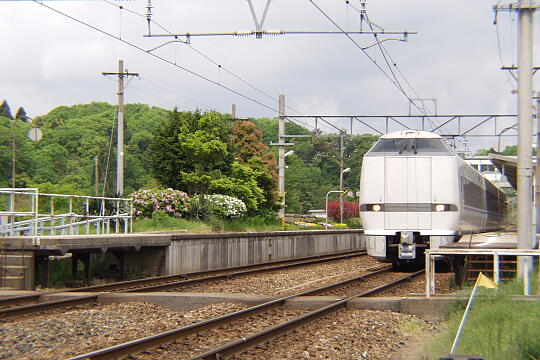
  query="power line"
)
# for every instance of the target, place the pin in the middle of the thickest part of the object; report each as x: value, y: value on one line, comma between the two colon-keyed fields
x: 510, y: 79
x: 386, y: 55
x: 157, y: 56
x: 220, y: 66
x: 161, y: 98
x: 175, y: 93
x: 396, y: 83
x: 121, y: 7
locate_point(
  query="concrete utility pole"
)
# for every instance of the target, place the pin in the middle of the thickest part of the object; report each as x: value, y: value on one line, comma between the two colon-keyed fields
x: 525, y: 132
x: 96, y: 176
x: 526, y: 233
x: 14, y: 155
x: 341, y: 177
x: 120, y: 138
x: 537, y: 173
x: 281, y: 155
x: 281, y: 161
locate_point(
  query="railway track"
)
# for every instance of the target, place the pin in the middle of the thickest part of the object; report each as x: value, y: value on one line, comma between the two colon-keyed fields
x: 249, y: 340
x: 13, y: 306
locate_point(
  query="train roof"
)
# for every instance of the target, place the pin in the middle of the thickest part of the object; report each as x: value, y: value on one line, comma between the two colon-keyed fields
x: 411, y: 134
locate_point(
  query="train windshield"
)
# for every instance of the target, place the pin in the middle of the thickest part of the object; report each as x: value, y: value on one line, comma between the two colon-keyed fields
x: 410, y: 146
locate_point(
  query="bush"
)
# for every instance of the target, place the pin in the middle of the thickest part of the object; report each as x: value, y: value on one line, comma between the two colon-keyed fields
x: 199, y: 210
x: 225, y: 207
x: 172, y: 202
x: 350, y: 210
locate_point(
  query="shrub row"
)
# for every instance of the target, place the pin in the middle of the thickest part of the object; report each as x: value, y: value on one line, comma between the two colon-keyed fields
x: 176, y: 203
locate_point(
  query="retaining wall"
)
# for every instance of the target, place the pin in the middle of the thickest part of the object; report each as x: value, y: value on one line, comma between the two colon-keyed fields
x: 189, y: 252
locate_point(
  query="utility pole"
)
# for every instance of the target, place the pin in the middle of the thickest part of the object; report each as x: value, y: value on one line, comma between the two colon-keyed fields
x: 14, y: 154
x: 341, y: 177
x: 281, y: 156
x: 120, y: 138
x: 526, y: 9
x: 96, y: 175
x: 525, y: 131
x: 537, y: 173
x: 281, y: 161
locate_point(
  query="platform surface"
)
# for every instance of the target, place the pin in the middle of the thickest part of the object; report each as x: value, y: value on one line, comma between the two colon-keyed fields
x: 492, y: 240
x: 61, y: 244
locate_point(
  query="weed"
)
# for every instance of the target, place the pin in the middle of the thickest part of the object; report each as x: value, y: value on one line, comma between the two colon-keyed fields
x: 498, y: 327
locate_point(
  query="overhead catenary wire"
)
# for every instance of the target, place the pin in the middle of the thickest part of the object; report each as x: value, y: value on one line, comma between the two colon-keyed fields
x: 199, y: 105
x: 161, y: 98
x: 137, y: 47
x: 122, y: 7
x: 220, y: 67
x: 396, y: 84
x: 511, y: 80
x: 388, y: 58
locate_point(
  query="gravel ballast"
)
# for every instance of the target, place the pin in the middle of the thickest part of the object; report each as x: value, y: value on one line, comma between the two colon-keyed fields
x: 85, y: 329
x: 289, y: 281
x: 344, y: 335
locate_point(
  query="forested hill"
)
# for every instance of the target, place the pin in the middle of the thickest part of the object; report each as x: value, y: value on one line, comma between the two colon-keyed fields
x: 63, y: 161
x: 72, y: 137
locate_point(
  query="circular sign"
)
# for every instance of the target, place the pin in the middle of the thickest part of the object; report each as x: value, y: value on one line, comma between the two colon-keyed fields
x: 35, y: 134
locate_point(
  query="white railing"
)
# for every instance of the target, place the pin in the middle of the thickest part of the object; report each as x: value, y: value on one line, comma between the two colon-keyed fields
x: 433, y: 254
x: 24, y: 217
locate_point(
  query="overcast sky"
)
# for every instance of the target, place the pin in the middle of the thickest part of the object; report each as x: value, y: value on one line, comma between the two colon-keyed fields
x: 50, y: 60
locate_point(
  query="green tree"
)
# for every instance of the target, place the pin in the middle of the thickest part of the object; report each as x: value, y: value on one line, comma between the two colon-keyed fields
x: 241, y: 184
x: 510, y: 150
x: 14, y: 132
x: 485, y: 152
x: 73, y: 136
x: 190, y: 149
x: 21, y: 115
x: 5, y: 111
x: 251, y: 151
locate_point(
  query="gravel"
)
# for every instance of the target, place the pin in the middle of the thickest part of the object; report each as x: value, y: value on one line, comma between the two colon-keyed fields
x: 209, y: 339
x: 84, y: 329
x: 289, y: 281
x: 350, y: 334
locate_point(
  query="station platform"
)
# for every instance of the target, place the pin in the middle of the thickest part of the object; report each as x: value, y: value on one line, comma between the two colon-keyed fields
x: 62, y: 244
x: 491, y: 240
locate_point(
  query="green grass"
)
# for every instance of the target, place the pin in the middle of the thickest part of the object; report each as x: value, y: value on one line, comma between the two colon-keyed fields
x: 498, y: 327
x: 255, y: 224
x: 169, y: 223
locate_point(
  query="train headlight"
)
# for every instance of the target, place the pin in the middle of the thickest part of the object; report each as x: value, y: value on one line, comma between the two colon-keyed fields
x: 376, y: 207
x: 440, y: 207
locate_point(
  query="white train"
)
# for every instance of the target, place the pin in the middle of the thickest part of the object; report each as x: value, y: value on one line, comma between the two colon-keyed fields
x: 416, y: 192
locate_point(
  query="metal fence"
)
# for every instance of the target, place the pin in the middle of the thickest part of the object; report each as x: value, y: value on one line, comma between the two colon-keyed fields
x: 26, y: 212
x: 433, y: 254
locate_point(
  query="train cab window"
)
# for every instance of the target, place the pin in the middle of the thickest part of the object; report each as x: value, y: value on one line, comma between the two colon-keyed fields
x: 410, y: 146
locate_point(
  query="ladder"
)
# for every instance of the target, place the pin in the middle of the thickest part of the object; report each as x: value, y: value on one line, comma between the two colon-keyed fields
x: 474, y: 264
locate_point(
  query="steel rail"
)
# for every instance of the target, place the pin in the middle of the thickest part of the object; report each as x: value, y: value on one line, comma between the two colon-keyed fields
x: 245, y: 343
x: 183, y: 283
x: 139, y: 345
x: 48, y: 305
x: 152, y: 280
x: 344, y: 283
x: 33, y: 308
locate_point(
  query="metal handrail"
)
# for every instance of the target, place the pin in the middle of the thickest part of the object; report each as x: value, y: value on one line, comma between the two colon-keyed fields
x: 38, y: 222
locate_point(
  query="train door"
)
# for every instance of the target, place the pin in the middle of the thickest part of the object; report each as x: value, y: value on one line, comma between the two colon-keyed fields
x: 407, y: 193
